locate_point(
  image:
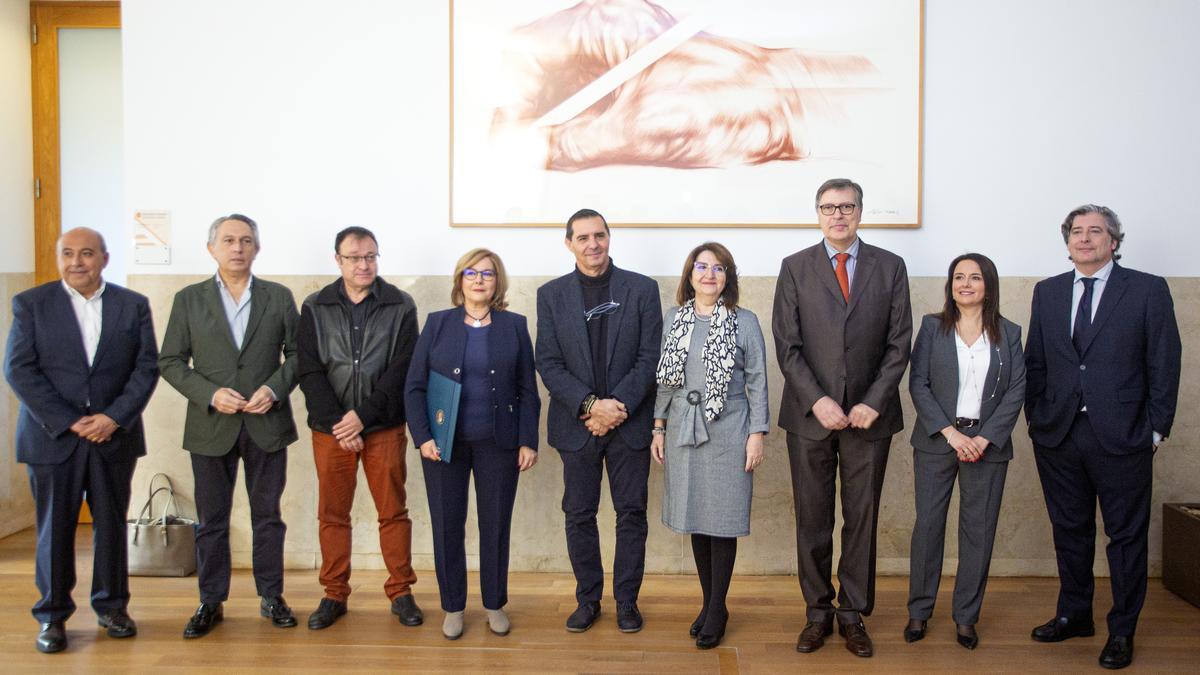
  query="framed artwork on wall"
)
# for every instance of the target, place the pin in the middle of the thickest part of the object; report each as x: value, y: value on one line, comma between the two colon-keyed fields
x: 683, y: 113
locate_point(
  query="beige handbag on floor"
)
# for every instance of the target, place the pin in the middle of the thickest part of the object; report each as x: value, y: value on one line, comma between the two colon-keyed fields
x: 164, y: 546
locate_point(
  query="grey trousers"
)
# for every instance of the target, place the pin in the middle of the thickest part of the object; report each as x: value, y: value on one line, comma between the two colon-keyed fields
x: 980, y: 489
x: 816, y: 465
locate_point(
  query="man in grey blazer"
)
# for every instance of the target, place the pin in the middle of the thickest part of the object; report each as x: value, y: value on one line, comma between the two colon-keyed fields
x: 230, y: 349
x: 842, y: 325
x: 597, y: 347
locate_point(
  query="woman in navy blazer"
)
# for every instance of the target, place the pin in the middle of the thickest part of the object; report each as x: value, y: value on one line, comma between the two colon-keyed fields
x: 487, y: 349
x: 967, y: 384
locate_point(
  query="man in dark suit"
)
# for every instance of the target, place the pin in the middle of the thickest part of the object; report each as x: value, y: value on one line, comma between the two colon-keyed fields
x: 230, y: 349
x: 843, y: 327
x: 598, y: 337
x: 81, y: 358
x: 1103, y: 361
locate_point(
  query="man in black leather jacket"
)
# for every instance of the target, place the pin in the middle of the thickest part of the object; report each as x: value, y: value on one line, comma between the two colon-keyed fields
x: 356, y: 340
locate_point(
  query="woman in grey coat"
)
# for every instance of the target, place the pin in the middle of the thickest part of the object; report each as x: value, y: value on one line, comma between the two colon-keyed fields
x: 968, y: 384
x: 710, y: 418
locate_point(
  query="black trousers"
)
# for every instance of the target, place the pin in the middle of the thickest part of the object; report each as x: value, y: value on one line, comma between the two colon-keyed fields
x: 628, y: 471
x: 447, y: 486
x: 816, y: 465
x: 58, y: 491
x: 266, y: 473
x: 1074, y: 475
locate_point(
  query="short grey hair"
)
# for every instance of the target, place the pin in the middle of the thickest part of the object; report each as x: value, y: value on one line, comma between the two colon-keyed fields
x: 839, y: 184
x: 1111, y: 222
x: 216, y: 224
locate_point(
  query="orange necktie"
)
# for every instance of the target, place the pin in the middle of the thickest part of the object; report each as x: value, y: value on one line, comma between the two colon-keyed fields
x: 843, y: 276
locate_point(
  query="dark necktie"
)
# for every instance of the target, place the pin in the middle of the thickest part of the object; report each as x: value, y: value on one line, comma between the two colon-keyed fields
x: 1083, y: 316
x: 843, y: 275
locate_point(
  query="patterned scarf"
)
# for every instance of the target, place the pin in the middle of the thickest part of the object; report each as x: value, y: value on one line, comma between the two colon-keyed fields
x: 719, y: 348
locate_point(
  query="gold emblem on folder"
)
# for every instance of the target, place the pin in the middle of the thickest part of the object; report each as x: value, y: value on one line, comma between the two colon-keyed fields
x: 440, y: 417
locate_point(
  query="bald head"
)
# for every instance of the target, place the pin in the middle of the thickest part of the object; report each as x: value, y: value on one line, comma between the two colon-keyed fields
x: 82, y: 256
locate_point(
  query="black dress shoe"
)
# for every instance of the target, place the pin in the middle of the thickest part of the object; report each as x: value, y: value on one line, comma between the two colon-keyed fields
x: 813, y: 636
x: 206, y: 617
x: 629, y: 619
x: 967, y: 637
x: 694, y: 630
x: 858, y: 642
x: 118, y: 623
x: 278, y: 612
x: 327, y: 613
x: 1061, y: 628
x: 915, y: 630
x: 405, y: 608
x: 583, y: 617
x: 712, y: 632
x: 1118, y: 652
x: 53, y: 637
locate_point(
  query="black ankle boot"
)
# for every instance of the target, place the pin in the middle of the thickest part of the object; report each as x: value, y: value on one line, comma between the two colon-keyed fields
x: 713, y: 630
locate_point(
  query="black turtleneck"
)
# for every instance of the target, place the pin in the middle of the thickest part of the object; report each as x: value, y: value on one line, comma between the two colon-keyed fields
x: 596, y: 292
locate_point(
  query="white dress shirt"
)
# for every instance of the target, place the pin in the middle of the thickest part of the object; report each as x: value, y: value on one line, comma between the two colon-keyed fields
x: 89, y: 314
x: 237, y: 312
x: 1101, y: 277
x: 973, y: 363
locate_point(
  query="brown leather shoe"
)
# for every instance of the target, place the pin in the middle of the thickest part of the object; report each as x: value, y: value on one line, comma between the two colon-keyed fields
x: 857, y: 640
x: 813, y: 636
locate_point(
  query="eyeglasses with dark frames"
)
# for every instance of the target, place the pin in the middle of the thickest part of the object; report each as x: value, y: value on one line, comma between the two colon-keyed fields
x: 470, y: 273
x: 370, y: 258
x: 829, y: 209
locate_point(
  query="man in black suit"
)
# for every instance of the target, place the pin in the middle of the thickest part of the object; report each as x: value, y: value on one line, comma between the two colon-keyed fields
x: 82, y: 359
x: 1103, y: 361
x: 597, y: 347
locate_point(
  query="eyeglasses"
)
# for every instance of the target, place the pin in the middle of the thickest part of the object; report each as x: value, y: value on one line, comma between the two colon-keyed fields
x: 600, y: 310
x: 703, y: 268
x: 469, y: 274
x: 846, y: 209
x: 370, y: 258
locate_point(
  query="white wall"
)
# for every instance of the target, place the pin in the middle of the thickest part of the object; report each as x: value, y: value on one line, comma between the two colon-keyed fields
x: 313, y: 115
x: 90, y: 121
x: 16, y: 233
x: 16, y: 139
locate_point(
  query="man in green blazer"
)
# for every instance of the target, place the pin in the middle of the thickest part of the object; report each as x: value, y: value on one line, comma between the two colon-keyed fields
x: 230, y: 349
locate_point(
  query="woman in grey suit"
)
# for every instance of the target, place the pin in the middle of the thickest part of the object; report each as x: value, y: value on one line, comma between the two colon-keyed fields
x: 710, y: 417
x: 968, y: 384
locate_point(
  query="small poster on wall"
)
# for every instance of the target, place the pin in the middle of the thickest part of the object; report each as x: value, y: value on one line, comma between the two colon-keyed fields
x: 152, y: 237
x: 683, y: 113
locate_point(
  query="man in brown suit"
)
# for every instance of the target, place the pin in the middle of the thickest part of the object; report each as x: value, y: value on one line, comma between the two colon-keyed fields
x: 843, y: 327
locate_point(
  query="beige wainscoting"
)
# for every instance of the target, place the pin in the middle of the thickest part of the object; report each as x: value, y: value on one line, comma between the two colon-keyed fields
x: 16, y: 503
x: 1023, y: 545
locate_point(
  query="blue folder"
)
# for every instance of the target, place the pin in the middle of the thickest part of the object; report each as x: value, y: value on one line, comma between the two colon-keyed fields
x: 441, y: 398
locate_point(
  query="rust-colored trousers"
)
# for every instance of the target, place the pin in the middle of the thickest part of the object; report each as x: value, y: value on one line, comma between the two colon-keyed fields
x: 337, y: 475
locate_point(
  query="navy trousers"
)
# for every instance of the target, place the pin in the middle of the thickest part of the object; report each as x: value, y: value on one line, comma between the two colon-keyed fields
x: 1073, y: 476
x: 266, y: 474
x: 628, y: 471
x: 447, y: 486
x: 58, y: 491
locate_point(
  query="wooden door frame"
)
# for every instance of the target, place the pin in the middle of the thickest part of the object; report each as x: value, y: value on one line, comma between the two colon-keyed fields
x: 46, y: 18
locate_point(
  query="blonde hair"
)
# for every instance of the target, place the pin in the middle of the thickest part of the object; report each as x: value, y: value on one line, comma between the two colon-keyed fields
x: 470, y: 258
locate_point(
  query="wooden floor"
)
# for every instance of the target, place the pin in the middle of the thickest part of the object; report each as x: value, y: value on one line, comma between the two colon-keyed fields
x: 767, y: 613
